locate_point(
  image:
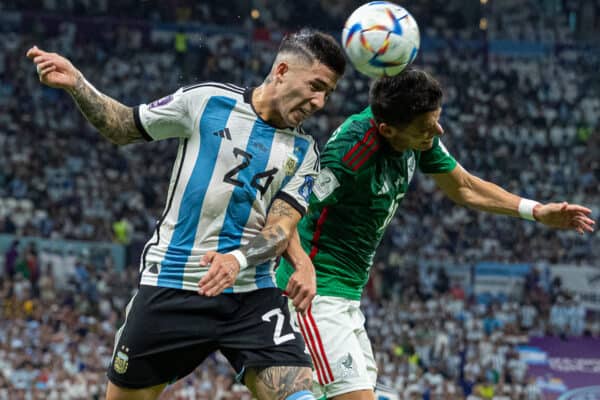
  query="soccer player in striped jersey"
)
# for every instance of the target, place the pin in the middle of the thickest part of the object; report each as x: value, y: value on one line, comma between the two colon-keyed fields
x: 366, y: 169
x: 240, y: 184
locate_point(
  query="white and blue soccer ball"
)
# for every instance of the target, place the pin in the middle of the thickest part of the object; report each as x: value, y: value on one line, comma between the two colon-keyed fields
x: 381, y: 38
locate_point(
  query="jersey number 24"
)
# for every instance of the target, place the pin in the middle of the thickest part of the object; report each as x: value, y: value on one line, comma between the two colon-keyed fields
x: 246, y: 159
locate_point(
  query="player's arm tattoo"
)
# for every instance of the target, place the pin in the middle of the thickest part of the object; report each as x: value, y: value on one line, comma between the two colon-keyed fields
x: 281, y: 209
x: 272, y: 240
x: 113, y: 119
x: 268, y: 244
x: 281, y: 382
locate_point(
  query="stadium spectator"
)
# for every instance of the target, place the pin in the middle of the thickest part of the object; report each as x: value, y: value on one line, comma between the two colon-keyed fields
x: 10, y: 260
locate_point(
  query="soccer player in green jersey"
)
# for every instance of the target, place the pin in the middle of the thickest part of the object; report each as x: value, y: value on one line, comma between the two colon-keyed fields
x: 367, y: 166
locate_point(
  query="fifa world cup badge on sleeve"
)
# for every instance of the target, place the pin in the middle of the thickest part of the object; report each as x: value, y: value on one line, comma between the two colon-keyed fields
x: 161, y: 102
x: 325, y: 185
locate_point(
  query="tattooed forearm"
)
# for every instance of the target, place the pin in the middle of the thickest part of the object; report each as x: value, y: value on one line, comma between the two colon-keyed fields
x: 268, y: 244
x: 113, y: 119
x: 281, y: 209
x: 280, y: 382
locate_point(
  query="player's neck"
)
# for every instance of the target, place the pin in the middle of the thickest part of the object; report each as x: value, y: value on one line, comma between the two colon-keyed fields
x: 264, y: 105
x: 396, y: 148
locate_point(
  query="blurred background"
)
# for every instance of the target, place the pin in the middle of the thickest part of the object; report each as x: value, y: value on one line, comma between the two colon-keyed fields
x: 460, y: 305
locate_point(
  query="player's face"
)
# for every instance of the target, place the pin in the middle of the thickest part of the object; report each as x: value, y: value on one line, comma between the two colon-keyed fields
x: 418, y: 135
x: 303, y: 90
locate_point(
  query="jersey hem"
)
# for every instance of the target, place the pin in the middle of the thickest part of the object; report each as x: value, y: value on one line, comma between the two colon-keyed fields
x: 443, y: 170
x: 284, y: 272
x: 194, y: 288
x: 129, y: 385
x: 346, y: 389
x: 339, y: 293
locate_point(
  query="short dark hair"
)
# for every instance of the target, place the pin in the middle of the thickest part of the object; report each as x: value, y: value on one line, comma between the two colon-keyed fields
x: 397, y: 100
x: 315, y: 45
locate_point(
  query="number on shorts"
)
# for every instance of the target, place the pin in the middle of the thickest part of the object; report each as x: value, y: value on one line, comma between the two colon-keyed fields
x: 277, y: 338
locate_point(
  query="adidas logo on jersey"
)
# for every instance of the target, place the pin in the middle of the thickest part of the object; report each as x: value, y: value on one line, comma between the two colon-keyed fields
x: 384, y: 188
x: 154, y: 268
x: 224, y: 133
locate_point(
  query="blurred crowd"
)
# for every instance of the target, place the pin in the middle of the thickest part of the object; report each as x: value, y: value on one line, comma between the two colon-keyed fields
x: 431, y: 338
x: 529, y: 20
x: 529, y: 124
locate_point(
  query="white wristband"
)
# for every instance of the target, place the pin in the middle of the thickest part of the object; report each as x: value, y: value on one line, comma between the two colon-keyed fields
x: 526, y: 208
x: 240, y: 257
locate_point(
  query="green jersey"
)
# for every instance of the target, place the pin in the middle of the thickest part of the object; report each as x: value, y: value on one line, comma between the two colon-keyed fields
x: 361, y: 183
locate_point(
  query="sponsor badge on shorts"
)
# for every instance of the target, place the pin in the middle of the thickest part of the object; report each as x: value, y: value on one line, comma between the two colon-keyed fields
x: 325, y: 185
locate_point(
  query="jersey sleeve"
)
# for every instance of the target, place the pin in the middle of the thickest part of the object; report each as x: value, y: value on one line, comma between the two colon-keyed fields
x: 336, y: 175
x: 298, y: 189
x: 165, y: 118
x: 437, y: 159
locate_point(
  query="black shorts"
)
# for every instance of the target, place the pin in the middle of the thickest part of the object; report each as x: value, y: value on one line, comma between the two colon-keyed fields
x: 169, y: 332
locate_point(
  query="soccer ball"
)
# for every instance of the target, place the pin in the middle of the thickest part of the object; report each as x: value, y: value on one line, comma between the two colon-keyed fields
x: 381, y: 38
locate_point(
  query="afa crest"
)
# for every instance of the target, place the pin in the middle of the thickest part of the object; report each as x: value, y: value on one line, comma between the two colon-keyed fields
x: 121, y: 362
x: 290, y: 164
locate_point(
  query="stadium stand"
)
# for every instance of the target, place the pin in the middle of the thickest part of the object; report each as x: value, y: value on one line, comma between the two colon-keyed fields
x: 522, y: 109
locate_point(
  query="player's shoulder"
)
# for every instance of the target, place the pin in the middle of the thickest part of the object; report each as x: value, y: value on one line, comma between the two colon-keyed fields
x: 354, y: 126
x: 213, y: 89
x: 356, y: 141
x: 301, y: 133
x: 436, y: 147
x: 305, y: 140
x: 359, y: 128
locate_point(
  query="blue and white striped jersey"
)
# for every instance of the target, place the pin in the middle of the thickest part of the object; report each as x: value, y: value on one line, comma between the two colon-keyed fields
x: 229, y: 168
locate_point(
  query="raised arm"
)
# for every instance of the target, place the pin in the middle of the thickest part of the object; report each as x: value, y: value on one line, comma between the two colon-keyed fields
x: 468, y: 190
x: 268, y: 244
x: 113, y: 120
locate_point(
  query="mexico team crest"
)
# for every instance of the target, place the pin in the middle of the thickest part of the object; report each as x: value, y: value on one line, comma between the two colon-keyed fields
x: 344, y: 367
x: 121, y: 362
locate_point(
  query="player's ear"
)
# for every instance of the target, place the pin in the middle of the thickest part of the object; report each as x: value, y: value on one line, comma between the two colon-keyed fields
x: 385, y: 130
x: 280, y: 70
